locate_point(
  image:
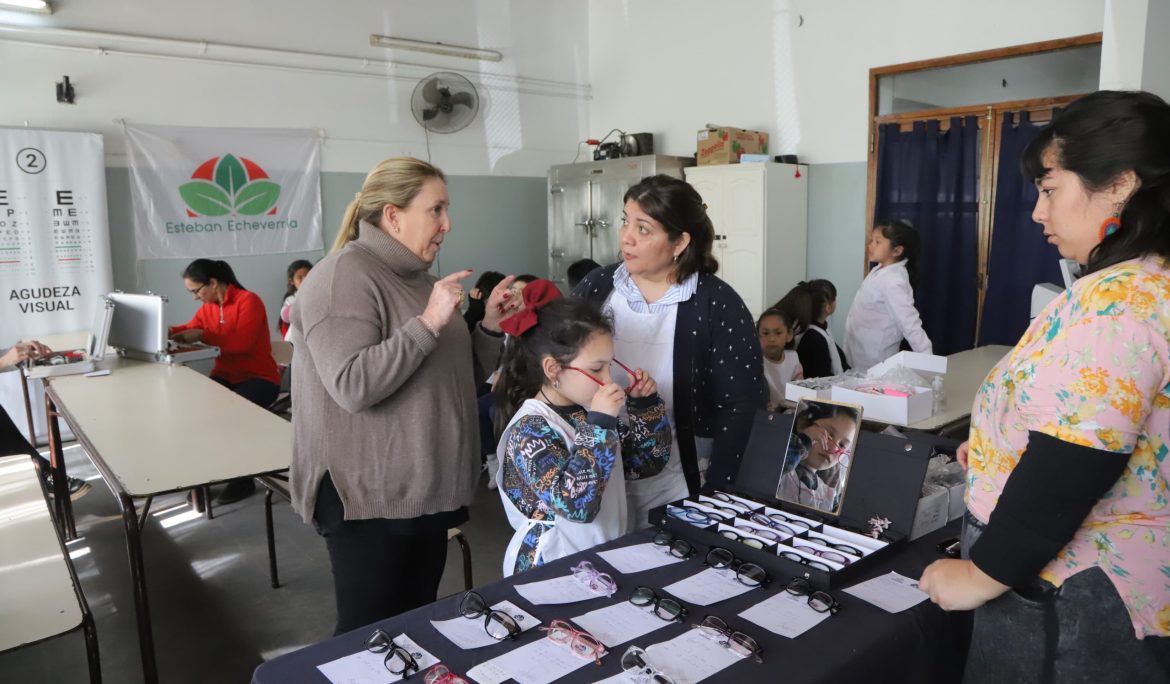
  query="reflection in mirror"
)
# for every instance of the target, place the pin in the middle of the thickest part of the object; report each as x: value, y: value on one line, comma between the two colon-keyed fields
x: 819, y: 454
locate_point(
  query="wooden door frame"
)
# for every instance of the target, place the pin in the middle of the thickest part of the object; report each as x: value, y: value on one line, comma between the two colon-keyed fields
x: 989, y: 114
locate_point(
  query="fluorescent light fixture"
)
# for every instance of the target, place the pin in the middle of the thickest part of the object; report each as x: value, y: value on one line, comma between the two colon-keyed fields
x: 38, y: 6
x: 434, y: 48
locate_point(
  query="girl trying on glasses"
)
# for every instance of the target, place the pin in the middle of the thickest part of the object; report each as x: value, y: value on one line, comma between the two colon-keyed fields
x: 564, y: 455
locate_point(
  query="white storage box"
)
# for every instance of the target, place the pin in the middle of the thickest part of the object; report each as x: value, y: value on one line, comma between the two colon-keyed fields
x: 885, y: 408
x: 813, y: 388
x: 928, y: 365
x: 932, y: 511
x: 794, y: 391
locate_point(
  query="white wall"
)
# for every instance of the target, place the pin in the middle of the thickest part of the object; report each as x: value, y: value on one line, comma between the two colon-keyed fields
x: 669, y: 66
x: 798, y: 69
x: 533, y: 105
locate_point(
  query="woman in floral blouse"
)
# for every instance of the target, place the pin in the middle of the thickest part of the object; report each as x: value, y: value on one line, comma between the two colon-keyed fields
x: 1068, y: 523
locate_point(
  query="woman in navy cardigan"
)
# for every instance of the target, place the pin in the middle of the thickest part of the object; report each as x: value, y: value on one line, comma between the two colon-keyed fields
x: 689, y: 330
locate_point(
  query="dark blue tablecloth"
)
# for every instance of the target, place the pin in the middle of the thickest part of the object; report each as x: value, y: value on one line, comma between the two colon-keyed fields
x: 861, y: 643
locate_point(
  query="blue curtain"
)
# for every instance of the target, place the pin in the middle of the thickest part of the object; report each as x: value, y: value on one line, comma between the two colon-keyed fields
x: 930, y: 178
x: 1020, y: 256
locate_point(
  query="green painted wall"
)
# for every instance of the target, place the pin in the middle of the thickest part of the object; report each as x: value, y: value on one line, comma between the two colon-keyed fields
x: 498, y: 223
x: 836, y: 232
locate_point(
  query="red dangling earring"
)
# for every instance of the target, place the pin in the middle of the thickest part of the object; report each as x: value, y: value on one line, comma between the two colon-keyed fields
x: 1110, y: 226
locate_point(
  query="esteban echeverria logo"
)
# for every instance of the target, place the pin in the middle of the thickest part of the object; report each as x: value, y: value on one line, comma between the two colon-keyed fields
x: 229, y: 185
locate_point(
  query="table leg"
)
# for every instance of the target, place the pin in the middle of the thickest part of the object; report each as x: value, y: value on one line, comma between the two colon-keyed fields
x: 268, y: 527
x: 32, y: 430
x: 61, y: 500
x: 91, y: 648
x: 145, y: 512
x: 138, y: 576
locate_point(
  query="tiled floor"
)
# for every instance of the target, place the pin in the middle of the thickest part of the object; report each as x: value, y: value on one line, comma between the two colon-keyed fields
x: 215, y: 615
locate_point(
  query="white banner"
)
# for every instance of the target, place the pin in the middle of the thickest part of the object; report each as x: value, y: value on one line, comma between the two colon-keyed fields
x: 54, y: 243
x: 214, y: 192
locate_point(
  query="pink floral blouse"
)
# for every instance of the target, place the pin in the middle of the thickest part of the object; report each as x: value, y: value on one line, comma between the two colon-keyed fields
x: 1094, y: 369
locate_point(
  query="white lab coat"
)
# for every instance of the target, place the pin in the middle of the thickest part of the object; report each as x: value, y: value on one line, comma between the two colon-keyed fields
x: 882, y: 315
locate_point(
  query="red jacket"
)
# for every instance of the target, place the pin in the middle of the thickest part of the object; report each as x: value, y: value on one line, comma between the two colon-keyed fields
x: 241, y: 333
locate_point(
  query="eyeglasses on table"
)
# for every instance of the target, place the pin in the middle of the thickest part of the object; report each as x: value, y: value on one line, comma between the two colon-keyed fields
x: 498, y: 624
x: 582, y: 644
x: 829, y: 542
x: 749, y: 574
x: 731, y: 501
x: 820, y: 601
x: 739, y: 643
x: 696, y: 516
x: 666, y: 608
x: 398, y: 660
x: 639, y: 669
x: 827, y: 555
x: 768, y: 533
x: 679, y: 548
x: 439, y: 674
x: 751, y: 542
x: 780, y: 522
x: 797, y: 558
x: 596, y: 581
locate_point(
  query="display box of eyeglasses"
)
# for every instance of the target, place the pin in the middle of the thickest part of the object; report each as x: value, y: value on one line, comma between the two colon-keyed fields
x: 816, y: 497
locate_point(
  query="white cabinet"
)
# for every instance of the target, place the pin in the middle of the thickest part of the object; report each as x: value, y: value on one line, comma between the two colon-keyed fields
x: 760, y: 213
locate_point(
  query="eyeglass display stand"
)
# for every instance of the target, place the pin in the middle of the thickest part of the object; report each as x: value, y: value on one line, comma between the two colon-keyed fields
x: 885, y: 482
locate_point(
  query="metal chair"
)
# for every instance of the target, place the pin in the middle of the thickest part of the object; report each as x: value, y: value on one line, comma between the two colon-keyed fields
x: 278, y: 484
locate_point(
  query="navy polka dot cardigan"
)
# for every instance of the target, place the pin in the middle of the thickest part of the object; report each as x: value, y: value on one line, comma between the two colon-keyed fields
x: 718, y: 373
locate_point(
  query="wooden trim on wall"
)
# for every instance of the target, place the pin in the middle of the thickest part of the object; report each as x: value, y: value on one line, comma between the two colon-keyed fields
x: 975, y: 110
x: 986, y: 55
x: 989, y: 114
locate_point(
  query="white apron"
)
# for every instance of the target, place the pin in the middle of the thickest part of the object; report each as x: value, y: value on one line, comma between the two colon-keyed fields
x: 563, y: 537
x: 834, y: 353
x: 646, y: 341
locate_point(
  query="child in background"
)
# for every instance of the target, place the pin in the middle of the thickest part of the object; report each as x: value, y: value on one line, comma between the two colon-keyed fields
x: 811, y: 303
x: 297, y: 271
x: 578, y: 270
x: 781, y: 361
x: 487, y: 398
x: 564, y: 466
x: 883, y: 312
x: 475, y: 298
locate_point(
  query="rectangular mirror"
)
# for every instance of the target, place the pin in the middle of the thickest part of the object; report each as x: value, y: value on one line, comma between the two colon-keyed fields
x: 819, y: 454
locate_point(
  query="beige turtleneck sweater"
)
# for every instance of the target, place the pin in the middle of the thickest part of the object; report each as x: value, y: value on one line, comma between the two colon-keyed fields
x: 380, y: 404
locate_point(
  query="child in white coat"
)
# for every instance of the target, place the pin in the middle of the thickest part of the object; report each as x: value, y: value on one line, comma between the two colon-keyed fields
x: 883, y: 312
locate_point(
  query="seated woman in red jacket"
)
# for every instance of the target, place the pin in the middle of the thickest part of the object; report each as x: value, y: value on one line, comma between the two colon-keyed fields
x: 234, y: 320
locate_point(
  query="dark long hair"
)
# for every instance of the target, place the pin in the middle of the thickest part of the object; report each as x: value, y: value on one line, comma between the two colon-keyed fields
x: 563, y: 327
x: 203, y: 270
x: 292, y: 271
x: 902, y: 234
x: 805, y: 302
x: 1099, y: 137
x: 680, y: 209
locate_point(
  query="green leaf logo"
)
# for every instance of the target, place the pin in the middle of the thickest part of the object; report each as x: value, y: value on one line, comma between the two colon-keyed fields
x: 257, y: 197
x: 204, y: 198
x: 229, y: 185
x: 230, y: 174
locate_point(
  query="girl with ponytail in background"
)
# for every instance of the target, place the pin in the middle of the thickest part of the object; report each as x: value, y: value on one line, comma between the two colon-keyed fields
x: 883, y: 312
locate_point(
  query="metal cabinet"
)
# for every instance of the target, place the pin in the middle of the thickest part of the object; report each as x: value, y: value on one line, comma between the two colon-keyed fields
x: 585, y: 207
